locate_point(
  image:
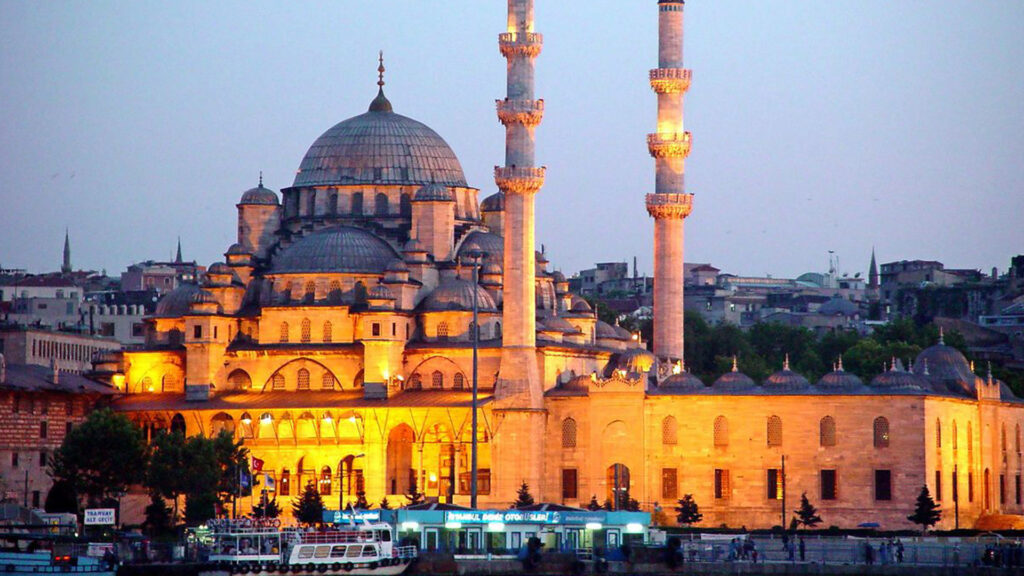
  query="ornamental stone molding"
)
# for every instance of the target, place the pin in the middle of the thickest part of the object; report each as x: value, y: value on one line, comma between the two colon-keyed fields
x: 526, y: 112
x: 669, y: 206
x: 527, y: 44
x: 519, y: 179
x: 669, y: 144
x: 670, y: 80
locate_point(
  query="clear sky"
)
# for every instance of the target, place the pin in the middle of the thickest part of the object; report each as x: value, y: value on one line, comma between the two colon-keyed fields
x: 817, y: 126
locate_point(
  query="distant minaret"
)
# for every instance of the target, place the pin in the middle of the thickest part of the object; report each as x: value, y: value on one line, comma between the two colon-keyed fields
x: 65, y: 267
x: 519, y: 180
x: 873, y: 276
x: 670, y: 204
x: 177, y: 258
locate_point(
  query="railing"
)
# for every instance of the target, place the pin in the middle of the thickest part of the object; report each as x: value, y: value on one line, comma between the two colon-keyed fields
x: 347, y: 537
x: 670, y: 80
x: 405, y: 552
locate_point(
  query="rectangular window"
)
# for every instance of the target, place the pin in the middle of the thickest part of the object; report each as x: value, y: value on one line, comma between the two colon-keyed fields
x: 197, y: 331
x: 970, y: 486
x: 394, y: 329
x: 214, y: 332
x: 773, y: 484
x: 1002, y: 489
x: 883, y: 485
x: 938, y: 485
x: 569, y: 485
x: 42, y: 459
x: 138, y: 329
x: 1016, y: 489
x: 829, y: 485
x: 722, y: 488
x: 42, y: 429
x: 483, y: 481
x: 376, y: 329
x: 956, y: 488
x: 14, y: 459
x: 669, y: 484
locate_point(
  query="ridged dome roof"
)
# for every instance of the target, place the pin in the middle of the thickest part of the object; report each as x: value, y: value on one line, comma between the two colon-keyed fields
x: 336, y: 249
x: 895, y: 379
x: 488, y: 242
x: 633, y: 361
x: 945, y: 363
x: 606, y: 330
x: 457, y: 294
x: 433, y: 193
x: 838, y: 306
x: 493, y: 203
x: 840, y: 379
x: 733, y: 381
x: 556, y: 324
x: 177, y: 301
x: 681, y: 383
x: 785, y: 380
x: 379, y: 147
x: 259, y: 195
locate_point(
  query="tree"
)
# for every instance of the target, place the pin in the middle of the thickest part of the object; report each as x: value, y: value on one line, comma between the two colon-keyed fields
x: 101, y: 457
x: 309, y: 508
x: 202, y: 473
x: 594, y: 504
x: 414, y: 495
x: 523, y: 496
x: 267, y: 509
x: 384, y: 504
x: 164, y: 473
x: 61, y: 498
x: 361, y: 502
x: 927, y: 512
x: 158, y: 516
x: 807, y: 514
x: 233, y: 461
x: 688, y: 512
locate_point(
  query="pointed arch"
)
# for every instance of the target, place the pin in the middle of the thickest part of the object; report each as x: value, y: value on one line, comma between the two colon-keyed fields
x: 307, y: 331
x: 774, y: 430
x: 568, y: 433
x: 881, y: 432
x: 400, y: 472
x: 669, y: 431
x: 278, y: 381
x: 721, y: 432
x: 827, y: 431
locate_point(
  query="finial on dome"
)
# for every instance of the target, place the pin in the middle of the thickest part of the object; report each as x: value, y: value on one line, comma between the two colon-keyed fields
x: 926, y: 367
x: 990, y: 372
x: 380, y: 103
x: 785, y: 363
x: 380, y: 69
x: 839, y: 368
x: 261, y: 178
x: 892, y: 364
x: 942, y: 337
x: 735, y: 365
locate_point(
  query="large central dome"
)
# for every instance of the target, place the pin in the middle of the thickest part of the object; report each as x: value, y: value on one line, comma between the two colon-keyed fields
x: 380, y: 147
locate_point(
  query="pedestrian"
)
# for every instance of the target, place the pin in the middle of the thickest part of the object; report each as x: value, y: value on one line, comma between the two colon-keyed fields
x: 790, y: 551
x: 956, y: 554
x: 869, y: 553
x: 899, y: 551
x: 803, y: 550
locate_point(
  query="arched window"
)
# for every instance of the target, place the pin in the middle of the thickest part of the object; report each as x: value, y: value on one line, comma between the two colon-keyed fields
x: 309, y: 292
x: 325, y: 481
x: 328, y: 332
x: 774, y: 431
x: 568, y: 433
x: 970, y: 443
x: 437, y: 379
x: 284, y: 332
x: 147, y: 385
x: 380, y: 205
x: 277, y: 382
x: 669, y: 431
x: 334, y: 292
x: 721, y: 431
x: 357, y: 204
x: 473, y: 330
x: 405, y: 206
x: 956, y: 441
x: 1017, y: 440
x: 311, y: 203
x: 497, y: 330
x: 303, y: 380
x: 327, y: 382
x: 442, y: 330
x: 222, y: 422
x: 285, y: 487
x: 307, y: 330
x: 617, y: 480
x: 827, y: 431
x: 169, y: 383
x: 240, y: 380
x: 332, y: 203
x: 178, y: 424
x: 459, y: 381
x: 415, y: 383
x: 1002, y: 441
x: 938, y: 433
x: 881, y: 432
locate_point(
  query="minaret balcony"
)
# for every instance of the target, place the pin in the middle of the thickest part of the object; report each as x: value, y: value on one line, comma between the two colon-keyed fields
x: 669, y: 144
x: 670, y: 80
x: 526, y: 44
x: 669, y: 206
x: 519, y: 179
x: 525, y: 112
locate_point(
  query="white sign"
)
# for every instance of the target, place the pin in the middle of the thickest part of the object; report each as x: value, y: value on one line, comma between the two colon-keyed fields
x: 99, y: 516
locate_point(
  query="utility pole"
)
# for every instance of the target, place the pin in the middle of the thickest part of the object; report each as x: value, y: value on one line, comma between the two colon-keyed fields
x: 956, y: 498
x: 783, y: 480
x: 477, y: 257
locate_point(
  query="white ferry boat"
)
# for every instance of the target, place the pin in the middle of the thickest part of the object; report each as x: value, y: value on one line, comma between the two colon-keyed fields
x: 241, y: 547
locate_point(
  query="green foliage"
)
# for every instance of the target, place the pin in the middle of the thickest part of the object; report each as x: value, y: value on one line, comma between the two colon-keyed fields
x: 523, y: 496
x: 62, y: 498
x: 267, y: 509
x: 361, y: 502
x: 158, y: 516
x: 309, y: 508
x: 687, y: 512
x: 233, y: 461
x: 926, y: 512
x: 414, y: 496
x: 102, y: 457
x: 200, y: 507
x: 594, y: 504
x: 167, y: 460
x: 807, y: 514
x: 384, y: 504
x: 202, y: 479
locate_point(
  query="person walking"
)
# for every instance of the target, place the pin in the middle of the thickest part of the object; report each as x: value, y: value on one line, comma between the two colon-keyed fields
x: 803, y: 550
x: 869, y: 553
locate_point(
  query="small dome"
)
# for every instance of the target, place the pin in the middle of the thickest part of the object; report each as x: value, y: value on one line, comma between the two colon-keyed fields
x: 623, y: 333
x: 203, y: 297
x: 556, y: 324
x: 785, y: 380
x: 486, y: 242
x: 606, y: 330
x: 220, y: 274
x: 493, y: 203
x: 259, y: 195
x: 580, y: 305
x: 336, y: 249
x: 237, y: 249
x: 558, y: 276
x: 177, y: 302
x: 457, y: 294
x: 733, y: 381
x: 895, y: 379
x: 633, y: 361
x: 945, y: 363
x: 581, y: 382
x: 681, y: 383
x: 838, y: 306
x: 380, y: 292
x: 218, y: 268
x: 492, y: 268
x: 840, y: 379
x: 433, y: 193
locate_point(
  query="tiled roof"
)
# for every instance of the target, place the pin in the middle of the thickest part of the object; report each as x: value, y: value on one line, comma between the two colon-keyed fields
x: 299, y: 400
x: 38, y: 379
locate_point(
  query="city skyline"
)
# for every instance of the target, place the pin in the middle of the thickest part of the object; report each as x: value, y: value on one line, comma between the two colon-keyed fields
x: 876, y: 126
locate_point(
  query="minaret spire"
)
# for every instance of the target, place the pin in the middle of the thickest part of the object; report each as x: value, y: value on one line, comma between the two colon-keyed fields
x: 670, y: 204
x: 177, y: 256
x: 65, y: 267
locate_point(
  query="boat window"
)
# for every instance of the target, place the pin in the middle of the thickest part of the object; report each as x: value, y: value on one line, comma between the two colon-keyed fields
x: 385, y: 535
x: 368, y: 550
x: 305, y: 552
x: 338, y: 552
x: 322, y: 552
x: 353, y: 552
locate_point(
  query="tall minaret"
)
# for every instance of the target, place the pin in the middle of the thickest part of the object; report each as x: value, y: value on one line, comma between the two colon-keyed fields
x: 670, y: 204
x: 65, y: 267
x: 518, y: 457
x: 519, y: 180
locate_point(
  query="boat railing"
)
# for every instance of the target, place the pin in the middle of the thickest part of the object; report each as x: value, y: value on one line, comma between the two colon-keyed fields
x: 405, y: 552
x: 351, y: 537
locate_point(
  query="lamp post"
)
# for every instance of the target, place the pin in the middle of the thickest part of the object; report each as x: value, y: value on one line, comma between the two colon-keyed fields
x: 477, y: 257
x: 341, y: 479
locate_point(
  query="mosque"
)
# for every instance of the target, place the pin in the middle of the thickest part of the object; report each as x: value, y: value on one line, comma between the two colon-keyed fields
x: 336, y: 340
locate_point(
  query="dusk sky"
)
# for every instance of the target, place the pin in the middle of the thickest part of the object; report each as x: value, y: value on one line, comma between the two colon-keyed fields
x: 817, y: 125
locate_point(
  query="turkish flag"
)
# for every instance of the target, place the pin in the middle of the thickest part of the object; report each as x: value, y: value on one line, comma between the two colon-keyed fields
x: 257, y: 464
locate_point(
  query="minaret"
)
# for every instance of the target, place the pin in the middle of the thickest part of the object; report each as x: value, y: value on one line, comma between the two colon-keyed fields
x: 518, y: 453
x: 65, y: 267
x: 873, y: 277
x: 519, y: 180
x: 670, y: 204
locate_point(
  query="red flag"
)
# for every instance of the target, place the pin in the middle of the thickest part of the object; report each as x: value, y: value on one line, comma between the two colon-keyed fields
x: 257, y: 464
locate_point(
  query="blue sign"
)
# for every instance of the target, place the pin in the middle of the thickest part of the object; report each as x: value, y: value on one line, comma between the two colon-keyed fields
x: 346, y: 516
x: 521, y: 517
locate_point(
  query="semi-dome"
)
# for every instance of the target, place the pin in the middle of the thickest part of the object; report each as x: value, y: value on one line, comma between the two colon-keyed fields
x: 606, y: 330
x: 433, y: 193
x: 335, y: 249
x: 457, y: 294
x: 379, y: 147
x: 633, y: 361
x: 259, y: 195
x: 493, y: 203
x: 177, y: 301
x: 487, y: 242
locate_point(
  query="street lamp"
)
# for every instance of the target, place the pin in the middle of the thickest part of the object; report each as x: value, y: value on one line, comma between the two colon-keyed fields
x: 477, y: 256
